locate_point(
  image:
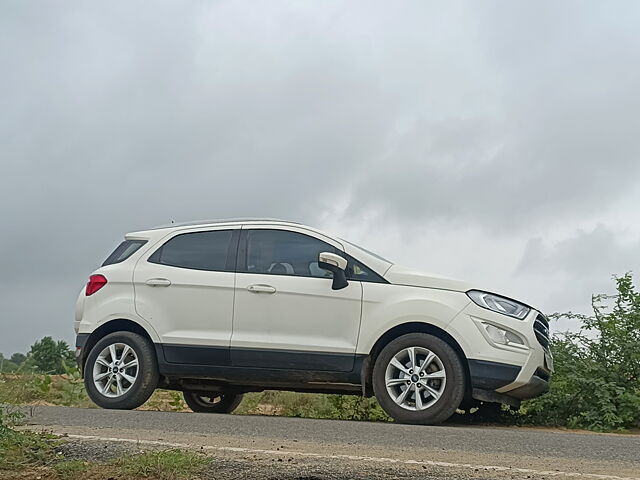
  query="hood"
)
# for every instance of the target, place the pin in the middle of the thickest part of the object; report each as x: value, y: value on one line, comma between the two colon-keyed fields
x: 399, y: 275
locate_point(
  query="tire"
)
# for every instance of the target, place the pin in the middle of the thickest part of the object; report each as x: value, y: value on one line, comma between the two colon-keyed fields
x: 441, y: 385
x: 212, y: 402
x: 122, y: 394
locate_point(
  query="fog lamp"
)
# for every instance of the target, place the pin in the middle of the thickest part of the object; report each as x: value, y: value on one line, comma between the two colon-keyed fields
x: 503, y: 337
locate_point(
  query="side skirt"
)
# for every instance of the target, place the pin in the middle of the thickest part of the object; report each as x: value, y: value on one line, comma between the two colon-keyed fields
x: 211, y: 370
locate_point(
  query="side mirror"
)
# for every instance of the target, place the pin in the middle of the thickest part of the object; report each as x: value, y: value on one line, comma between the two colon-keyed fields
x: 336, y: 265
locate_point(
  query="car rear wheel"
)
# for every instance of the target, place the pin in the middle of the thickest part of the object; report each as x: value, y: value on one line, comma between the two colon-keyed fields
x: 212, y: 402
x: 121, y: 371
x: 418, y: 378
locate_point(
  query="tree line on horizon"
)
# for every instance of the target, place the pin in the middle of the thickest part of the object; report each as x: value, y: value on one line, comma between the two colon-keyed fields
x: 46, y: 356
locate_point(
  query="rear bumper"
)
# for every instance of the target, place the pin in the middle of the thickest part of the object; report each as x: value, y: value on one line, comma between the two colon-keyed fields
x: 81, y: 341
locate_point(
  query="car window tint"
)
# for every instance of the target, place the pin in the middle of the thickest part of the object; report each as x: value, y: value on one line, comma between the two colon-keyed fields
x: 197, y: 251
x: 124, y: 251
x: 279, y: 252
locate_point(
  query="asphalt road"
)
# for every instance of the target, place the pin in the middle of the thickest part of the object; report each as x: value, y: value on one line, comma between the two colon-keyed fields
x: 339, y: 449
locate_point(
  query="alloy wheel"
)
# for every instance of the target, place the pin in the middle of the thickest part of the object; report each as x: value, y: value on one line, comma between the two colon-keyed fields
x: 415, y: 378
x: 115, y: 370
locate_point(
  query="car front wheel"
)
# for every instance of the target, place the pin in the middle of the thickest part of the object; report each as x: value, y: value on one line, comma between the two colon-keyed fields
x: 418, y: 378
x: 212, y: 402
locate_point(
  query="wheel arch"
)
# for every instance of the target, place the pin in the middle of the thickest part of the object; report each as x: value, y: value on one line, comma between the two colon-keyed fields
x: 116, y: 325
x: 403, y: 329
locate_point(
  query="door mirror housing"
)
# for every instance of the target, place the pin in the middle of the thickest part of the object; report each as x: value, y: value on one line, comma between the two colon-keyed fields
x: 336, y: 265
x: 326, y: 259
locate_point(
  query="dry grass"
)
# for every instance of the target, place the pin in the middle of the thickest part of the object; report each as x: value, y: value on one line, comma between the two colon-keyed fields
x: 68, y: 390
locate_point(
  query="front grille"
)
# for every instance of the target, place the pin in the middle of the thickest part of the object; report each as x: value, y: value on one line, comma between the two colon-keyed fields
x: 541, y: 329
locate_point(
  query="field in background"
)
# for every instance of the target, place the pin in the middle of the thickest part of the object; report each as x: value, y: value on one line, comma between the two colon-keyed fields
x: 68, y: 390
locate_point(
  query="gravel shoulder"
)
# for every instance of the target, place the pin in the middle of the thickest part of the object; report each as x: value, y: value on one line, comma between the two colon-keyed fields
x: 275, y: 447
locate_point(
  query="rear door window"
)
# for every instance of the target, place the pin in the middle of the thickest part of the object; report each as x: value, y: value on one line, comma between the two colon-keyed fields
x: 197, y: 251
x: 124, y: 251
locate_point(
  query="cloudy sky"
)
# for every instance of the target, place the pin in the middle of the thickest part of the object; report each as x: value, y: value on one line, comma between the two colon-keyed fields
x: 497, y: 142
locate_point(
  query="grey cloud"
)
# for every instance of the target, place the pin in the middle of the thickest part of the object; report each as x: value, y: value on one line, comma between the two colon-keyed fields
x: 552, y: 136
x: 502, y: 118
x: 579, y: 266
x: 598, y: 253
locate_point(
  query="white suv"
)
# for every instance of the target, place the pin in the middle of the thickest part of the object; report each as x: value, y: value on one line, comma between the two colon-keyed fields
x: 216, y: 309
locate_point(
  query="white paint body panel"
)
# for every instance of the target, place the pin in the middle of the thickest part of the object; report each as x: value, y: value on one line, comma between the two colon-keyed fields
x: 115, y: 301
x: 302, y: 314
x: 386, y: 306
x: 196, y: 309
x: 399, y: 275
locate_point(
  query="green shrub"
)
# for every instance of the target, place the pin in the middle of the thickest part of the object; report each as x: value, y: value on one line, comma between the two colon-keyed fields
x: 72, y: 392
x: 596, y: 384
x: 349, y: 407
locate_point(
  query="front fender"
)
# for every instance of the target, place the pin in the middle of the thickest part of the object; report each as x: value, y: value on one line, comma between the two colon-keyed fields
x: 387, y: 306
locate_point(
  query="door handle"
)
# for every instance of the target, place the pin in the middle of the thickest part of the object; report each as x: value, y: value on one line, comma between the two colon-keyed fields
x: 261, y: 288
x: 158, y: 282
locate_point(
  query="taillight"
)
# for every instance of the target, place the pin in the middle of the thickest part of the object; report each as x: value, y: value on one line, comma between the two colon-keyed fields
x: 95, y: 283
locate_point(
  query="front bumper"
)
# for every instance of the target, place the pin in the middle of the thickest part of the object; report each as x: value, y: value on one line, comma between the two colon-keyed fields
x: 503, y: 373
x: 536, y: 386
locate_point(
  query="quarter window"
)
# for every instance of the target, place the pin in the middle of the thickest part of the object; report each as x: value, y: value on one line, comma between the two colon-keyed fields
x: 360, y: 272
x: 197, y: 251
x: 124, y: 251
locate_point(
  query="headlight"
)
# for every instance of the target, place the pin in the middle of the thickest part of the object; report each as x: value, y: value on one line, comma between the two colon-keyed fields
x: 499, y: 304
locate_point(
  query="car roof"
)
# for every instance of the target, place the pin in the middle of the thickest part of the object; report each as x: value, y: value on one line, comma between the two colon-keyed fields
x: 378, y: 264
x: 218, y: 221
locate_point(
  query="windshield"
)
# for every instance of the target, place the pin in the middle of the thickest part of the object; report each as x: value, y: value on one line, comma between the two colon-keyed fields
x: 367, y: 251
